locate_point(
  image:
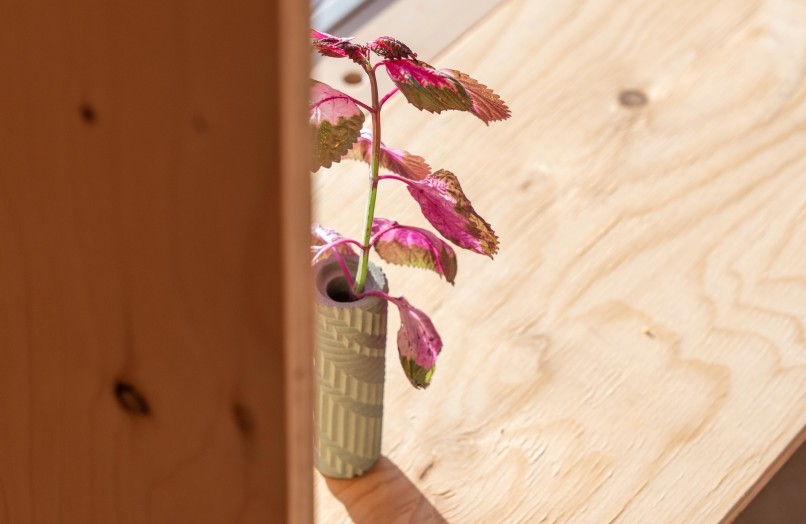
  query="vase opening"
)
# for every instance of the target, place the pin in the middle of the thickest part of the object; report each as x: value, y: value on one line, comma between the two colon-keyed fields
x: 339, y: 290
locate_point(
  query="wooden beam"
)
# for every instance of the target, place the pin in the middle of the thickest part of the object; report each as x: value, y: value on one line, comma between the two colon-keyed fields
x: 149, y: 284
x: 296, y: 212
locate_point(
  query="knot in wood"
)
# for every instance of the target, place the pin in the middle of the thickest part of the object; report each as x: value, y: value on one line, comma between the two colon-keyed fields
x: 632, y: 98
x: 130, y: 399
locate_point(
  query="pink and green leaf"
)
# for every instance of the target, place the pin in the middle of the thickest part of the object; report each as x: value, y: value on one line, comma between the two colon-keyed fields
x: 335, y: 47
x: 397, y: 161
x: 413, y: 246
x: 487, y: 105
x: 446, y: 207
x: 391, y: 49
x: 336, y: 121
x: 319, y: 35
x: 418, y: 344
x: 322, y: 236
x: 426, y: 88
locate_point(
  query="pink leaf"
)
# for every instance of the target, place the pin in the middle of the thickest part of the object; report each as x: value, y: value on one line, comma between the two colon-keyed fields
x: 322, y: 236
x: 448, y: 209
x: 418, y: 343
x: 487, y: 105
x: 413, y: 246
x: 336, y: 122
x: 391, y: 49
x: 395, y: 160
x: 318, y: 35
x: 333, y: 46
x: 426, y: 88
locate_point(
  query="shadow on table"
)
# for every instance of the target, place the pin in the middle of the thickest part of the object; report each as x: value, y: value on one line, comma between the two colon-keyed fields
x: 781, y: 501
x: 384, y: 494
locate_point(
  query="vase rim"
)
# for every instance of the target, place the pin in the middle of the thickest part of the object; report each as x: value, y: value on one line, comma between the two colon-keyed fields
x: 327, y: 271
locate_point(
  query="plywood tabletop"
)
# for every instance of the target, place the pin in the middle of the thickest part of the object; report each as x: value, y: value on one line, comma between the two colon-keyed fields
x: 637, y: 350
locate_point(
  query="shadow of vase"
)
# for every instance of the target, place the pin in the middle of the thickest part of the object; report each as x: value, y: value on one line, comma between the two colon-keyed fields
x: 384, y: 494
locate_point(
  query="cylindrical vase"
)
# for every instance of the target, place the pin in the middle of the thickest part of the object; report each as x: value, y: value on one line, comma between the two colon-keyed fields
x: 349, y: 364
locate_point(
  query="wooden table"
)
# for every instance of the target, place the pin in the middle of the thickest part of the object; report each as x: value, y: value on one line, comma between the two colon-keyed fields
x: 637, y: 350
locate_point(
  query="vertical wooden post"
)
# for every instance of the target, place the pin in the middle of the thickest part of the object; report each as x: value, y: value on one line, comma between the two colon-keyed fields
x: 296, y: 210
x: 154, y: 305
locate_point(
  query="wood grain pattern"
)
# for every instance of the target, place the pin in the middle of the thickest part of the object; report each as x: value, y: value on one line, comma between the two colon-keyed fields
x: 637, y: 351
x: 142, y: 320
x: 291, y: 22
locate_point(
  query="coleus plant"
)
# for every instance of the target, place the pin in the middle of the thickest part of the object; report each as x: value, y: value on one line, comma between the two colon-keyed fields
x: 338, y: 119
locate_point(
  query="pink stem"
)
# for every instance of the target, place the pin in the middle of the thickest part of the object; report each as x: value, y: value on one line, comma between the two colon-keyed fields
x: 398, y: 178
x: 336, y: 243
x: 381, y: 63
x: 388, y: 95
x: 344, y: 269
x: 373, y: 293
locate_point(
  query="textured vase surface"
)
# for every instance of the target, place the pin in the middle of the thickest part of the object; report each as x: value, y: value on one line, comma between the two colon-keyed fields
x: 349, y: 368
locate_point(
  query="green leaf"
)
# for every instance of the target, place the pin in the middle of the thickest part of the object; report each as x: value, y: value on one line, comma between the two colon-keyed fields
x: 397, y: 161
x: 419, y: 376
x: 390, y: 48
x: 487, y: 105
x: 426, y: 88
x: 336, y: 122
x: 418, y: 343
x: 445, y: 206
x: 335, y: 47
x: 413, y: 246
x: 322, y: 236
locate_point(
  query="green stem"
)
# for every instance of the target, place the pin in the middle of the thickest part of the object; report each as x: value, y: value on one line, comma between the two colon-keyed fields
x: 363, y: 262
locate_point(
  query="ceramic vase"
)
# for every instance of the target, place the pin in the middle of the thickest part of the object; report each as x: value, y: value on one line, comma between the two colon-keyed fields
x: 349, y: 364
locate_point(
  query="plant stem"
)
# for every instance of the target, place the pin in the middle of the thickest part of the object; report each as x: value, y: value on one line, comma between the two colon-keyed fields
x: 324, y: 249
x: 363, y: 262
x: 388, y: 95
x: 381, y: 294
x: 399, y: 179
x: 344, y: 269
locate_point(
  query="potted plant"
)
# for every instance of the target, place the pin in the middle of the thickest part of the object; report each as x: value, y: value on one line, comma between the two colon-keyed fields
x: 352, y: 293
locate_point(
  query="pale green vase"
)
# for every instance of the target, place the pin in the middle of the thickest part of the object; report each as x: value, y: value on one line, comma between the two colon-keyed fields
x: 349, y: 364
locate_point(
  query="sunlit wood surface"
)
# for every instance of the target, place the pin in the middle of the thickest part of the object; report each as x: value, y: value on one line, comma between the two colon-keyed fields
x: 637, y: 350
